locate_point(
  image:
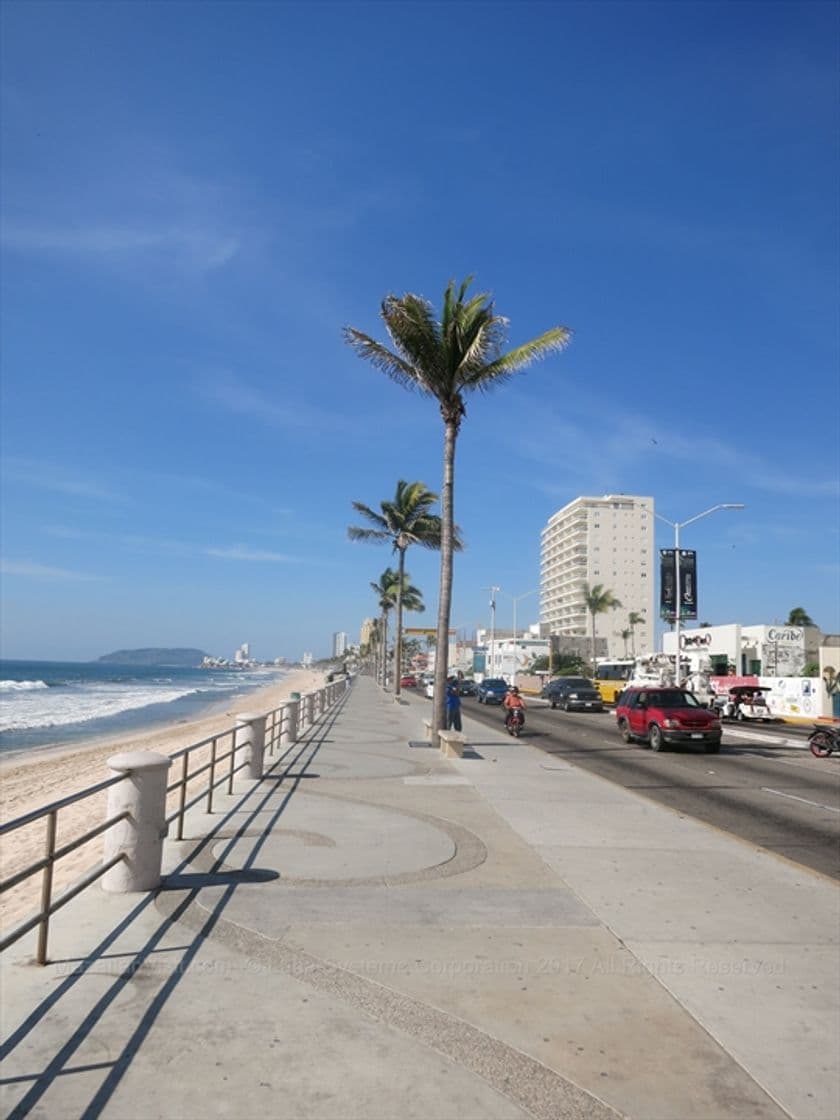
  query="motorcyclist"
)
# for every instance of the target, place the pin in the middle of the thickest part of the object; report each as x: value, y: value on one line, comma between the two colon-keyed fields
x: 513, y: 700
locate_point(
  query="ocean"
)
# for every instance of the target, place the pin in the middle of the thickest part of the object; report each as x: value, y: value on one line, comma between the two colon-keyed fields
x: 57, y: 703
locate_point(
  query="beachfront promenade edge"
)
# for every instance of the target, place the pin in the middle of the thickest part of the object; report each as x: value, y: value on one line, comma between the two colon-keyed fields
x: 136, y: 822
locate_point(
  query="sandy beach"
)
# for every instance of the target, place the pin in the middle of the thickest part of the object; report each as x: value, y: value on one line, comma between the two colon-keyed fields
x: 31, y: 781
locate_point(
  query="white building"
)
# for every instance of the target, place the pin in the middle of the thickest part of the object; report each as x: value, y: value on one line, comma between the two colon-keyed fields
x: 760, y: 651
x: 339, y: 644
x: 607, y: 541
x: 243, y: 654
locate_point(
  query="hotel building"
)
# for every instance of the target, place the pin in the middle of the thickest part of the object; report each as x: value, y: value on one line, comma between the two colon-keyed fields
x: 607, y: 541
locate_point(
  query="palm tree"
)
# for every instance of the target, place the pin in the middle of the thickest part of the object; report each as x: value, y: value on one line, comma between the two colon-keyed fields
x: 390, y: 586
x: 625, y: 635
x: 634, y: 619
x: 447, y: 359
x: 598, y: 600
x: 799, y: 617
x: 404, y: 521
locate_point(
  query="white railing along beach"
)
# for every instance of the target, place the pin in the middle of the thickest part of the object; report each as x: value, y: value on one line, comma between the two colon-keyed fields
x: 142, y: 805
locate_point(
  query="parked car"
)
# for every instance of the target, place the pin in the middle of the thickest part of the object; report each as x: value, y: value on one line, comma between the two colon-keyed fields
x: 408, y: 682
x: 468, y: 688
x: 572, y: 693
x: 664, y: 716
x: 492, y: 690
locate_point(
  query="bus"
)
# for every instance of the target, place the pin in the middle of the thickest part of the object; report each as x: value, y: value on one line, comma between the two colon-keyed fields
x: 611, y: 677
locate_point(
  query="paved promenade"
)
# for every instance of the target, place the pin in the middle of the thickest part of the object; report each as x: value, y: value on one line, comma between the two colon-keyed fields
x: 375, y: 932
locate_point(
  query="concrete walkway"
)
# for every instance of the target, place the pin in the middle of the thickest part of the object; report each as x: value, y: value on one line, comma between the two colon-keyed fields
x: 374, y: 931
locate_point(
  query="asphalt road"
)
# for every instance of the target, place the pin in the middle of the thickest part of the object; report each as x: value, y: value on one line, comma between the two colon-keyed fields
x: 770, y: 794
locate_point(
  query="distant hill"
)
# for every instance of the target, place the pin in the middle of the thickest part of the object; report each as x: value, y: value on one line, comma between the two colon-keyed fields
x: 189, y: 658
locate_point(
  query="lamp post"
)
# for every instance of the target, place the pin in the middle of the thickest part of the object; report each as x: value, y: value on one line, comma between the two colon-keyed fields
x: 492, y: 591
x: 676, y: 526
x: 516, y: 599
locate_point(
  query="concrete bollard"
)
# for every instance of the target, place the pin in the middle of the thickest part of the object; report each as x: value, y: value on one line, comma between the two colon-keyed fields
x: 140, y: 836
x: 289, y: 733
x: 250, y: 734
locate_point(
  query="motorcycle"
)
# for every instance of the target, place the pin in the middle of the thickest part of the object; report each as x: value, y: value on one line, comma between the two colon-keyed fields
x: 515, y: 721
x: 824, y: 740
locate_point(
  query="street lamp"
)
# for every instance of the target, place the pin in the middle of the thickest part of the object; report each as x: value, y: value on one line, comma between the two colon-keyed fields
x: 676, y: 526
x: 492, y: 591
x: 516, y: 599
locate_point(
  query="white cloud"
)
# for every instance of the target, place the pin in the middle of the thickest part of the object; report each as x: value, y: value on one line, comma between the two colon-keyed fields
x: 240, y: 552
x: 30, y: 570
x: 48, y: 476
x: 276, y: 410
x: 201, y: 248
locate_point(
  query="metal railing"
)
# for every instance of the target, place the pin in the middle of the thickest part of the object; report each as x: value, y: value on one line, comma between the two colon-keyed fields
x: 278, y: 721
x: 47, y: 863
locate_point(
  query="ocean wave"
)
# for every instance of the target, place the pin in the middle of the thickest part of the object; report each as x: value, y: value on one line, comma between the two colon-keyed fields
x: 21, y: 686
x: 83, y: 706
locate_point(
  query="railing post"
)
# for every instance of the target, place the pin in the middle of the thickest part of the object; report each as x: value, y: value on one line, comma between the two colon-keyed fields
x: 46, y: 890
x: 289, y: 733
x: 140, y: 836
x: 250, y: 734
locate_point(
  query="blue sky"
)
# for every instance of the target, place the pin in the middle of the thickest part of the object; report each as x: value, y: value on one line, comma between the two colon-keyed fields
x: 198, y: 196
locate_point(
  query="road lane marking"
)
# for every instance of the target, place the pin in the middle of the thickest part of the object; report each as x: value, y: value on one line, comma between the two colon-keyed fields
x: 793, y: 797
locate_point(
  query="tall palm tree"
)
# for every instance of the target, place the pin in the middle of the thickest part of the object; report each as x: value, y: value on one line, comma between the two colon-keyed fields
x: 799, y: 617
x: 404, y: 521
x: 446, y: 359
x: 625, y: 636
x: 598, y: 600
x: 634, y: 619
x: 390, y: 585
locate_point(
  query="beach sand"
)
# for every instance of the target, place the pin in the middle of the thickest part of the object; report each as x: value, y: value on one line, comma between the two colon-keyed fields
x: 30, y: 781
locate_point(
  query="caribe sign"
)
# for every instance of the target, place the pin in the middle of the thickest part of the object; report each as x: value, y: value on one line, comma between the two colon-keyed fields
x: 787, y: 635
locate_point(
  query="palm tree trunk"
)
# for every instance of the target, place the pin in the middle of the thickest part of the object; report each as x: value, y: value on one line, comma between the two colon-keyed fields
x: 447, y: 506
x: 383, y: 657
x: 399, y: 624
x: 594, y: 671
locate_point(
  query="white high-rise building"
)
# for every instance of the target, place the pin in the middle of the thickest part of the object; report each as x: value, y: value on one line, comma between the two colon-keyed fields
x: 607, y: 541
x: 339, y: 644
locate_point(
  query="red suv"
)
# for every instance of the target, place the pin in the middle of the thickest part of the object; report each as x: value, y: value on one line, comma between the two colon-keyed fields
x: 662, y: 716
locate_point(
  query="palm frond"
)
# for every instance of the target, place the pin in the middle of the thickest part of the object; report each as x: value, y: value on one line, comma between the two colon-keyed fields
x: 382, y: 358
x: 357, y: 533
x: 410, y: 322
x: 522, y: 356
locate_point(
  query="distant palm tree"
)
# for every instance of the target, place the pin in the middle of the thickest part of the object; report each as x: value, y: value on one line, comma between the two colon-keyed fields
x: 598, y: 601
x: 799, y: 617
x: 634, y: 619
x: 404, y: 521
x: 388, y: 587
x: 447, y: 359
x: 625, y: 636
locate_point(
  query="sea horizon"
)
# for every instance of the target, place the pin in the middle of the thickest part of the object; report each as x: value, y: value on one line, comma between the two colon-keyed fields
x: 47, y: 704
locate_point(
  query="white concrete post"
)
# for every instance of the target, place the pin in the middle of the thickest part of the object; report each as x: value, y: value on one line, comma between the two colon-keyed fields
x: 310, y: 708
x: 140, y: 835
x: 250, y: 734
x: 289, y: 733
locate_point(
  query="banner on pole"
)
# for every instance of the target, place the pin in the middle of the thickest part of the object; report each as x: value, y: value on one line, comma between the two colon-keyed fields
x: 668, y: 584
x: 688, y: 583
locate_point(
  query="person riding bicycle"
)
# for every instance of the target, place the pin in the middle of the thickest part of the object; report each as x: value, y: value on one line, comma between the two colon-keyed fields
x: 513, y: 701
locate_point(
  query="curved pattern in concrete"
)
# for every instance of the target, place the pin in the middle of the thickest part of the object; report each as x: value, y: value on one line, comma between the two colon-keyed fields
x: 426, y: 846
